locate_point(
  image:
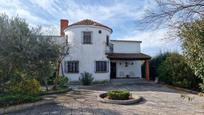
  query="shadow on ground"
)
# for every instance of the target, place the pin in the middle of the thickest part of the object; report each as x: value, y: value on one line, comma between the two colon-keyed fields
x: 133, y: 87
x: 64, y: 109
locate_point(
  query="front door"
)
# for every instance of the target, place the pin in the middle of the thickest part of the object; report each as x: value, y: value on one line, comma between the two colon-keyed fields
x: 113, y: 70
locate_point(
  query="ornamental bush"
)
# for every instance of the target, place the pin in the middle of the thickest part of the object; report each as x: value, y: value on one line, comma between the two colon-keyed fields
x: 31, y: 87
x: 86, y: 78
x: 175, y: 71
x: 118, y: 94
x: 63, y: 82
x: 20, y: 91
x: 27, y: 87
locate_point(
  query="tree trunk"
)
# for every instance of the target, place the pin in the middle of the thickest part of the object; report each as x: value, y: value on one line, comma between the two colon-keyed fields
x: 57, y: 75
x: 62, y: 69
x: 46, y: 85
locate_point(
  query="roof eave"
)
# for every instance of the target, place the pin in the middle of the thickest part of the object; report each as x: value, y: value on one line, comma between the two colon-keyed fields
x: 70, y: 26
x: 128, y: 56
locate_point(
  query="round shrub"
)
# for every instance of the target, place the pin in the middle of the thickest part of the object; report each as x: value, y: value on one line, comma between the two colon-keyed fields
x: 86, y: 78
x: 118, y: 94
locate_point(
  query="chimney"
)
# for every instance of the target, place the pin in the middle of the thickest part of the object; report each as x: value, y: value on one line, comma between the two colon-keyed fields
x: 63, y: 25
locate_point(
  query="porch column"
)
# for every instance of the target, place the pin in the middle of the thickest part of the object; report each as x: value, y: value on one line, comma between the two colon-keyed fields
x: 147, y: 69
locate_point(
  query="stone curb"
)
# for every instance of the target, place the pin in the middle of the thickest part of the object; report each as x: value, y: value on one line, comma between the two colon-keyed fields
x: 19, y: 107
x: 136, y: 99
x: 57, y: 92
x: 90, y: 86
x: 23, y: 106
x: 180, y: 89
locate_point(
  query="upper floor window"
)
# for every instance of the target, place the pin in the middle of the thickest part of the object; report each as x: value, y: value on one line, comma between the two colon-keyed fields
x: 107, y: 40
x: 101, y: 66
x: 71, y: 66
x: 87, y: 37
x: 66, y: 38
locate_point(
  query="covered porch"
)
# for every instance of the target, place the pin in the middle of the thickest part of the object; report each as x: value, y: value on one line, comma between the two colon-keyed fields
x: 128, y: 65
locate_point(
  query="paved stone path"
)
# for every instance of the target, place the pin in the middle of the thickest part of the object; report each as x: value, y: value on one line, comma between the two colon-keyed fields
x: 159, y: 100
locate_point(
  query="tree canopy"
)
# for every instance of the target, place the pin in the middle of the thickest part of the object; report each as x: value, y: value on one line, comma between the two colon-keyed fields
x: 186, y: 17
x: 24, y: 52
x: 173, y: 12
x: 192, y: 36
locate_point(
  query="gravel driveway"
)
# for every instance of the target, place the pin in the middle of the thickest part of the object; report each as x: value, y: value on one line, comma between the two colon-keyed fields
x: 159, y: 100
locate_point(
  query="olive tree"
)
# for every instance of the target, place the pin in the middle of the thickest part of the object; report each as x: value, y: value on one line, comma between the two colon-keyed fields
x: 63, y: 52
x: 185, y: 18
x: 192, y: 36
x: 24, y: 52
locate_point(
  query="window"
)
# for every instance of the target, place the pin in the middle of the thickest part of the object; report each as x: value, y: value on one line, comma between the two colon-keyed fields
x: 99, y: 31
x: 87, y: 37
x: 66, y: 37
x: 71, y: 66
x: 111, y: 47
x: 107, y: 40
x: 101, y: 66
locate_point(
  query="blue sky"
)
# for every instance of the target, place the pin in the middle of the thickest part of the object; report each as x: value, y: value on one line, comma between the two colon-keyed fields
x: 121, y: 16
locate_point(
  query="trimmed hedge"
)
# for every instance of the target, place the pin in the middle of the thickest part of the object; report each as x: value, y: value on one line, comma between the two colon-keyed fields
x: 118, y: 94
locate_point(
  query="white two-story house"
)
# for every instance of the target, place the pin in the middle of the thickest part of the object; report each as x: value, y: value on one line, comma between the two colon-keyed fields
x: 93, y: 51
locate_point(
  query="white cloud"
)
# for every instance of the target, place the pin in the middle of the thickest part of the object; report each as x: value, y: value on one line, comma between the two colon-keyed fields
x: 113, y: 13
x: 116, y: 13
x: 28, y: 16
x: 155, y: 41
x: 75, y: 11
x: 50, y: 30
x: 15, y: 8
x: 48, y: 5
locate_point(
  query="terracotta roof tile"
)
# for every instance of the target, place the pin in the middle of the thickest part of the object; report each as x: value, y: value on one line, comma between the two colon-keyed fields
x: 90, y: 22
x: 128, y: 56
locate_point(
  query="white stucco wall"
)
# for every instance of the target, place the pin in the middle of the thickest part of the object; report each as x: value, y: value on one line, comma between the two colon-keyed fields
x: 133, y: 69
x: 87, y: 54
x: 126, y: 46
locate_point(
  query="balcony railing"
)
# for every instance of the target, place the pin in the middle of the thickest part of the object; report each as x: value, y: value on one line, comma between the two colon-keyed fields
x: 109, y: 48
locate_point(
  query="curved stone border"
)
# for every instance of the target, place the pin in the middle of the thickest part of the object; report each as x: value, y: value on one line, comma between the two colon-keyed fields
x: 46, y: 100
x: 56, y: 92
x: 14, y: 108
x: 180, y: 88
x: 136, y: 99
